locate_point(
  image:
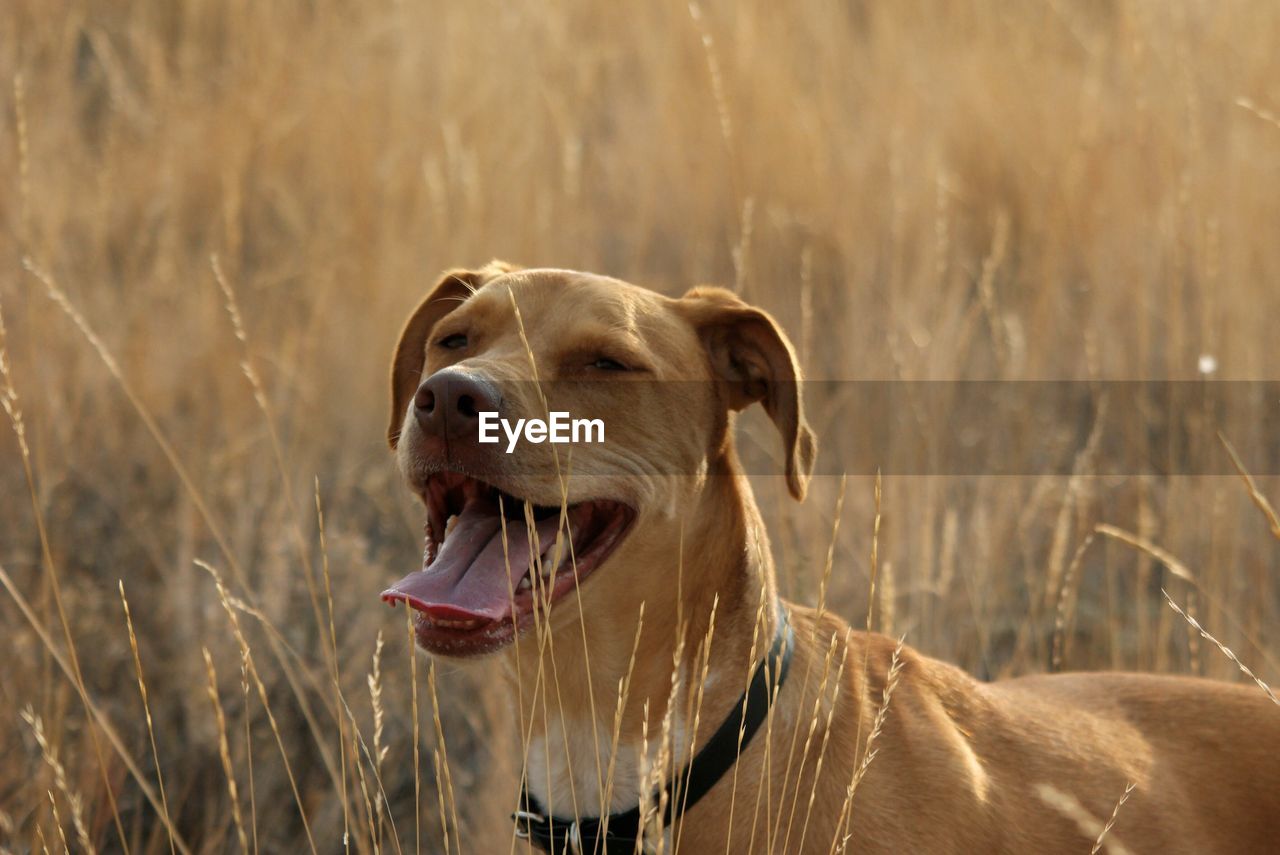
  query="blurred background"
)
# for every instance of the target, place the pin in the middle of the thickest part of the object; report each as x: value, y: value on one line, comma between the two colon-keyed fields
x: 214, y: 217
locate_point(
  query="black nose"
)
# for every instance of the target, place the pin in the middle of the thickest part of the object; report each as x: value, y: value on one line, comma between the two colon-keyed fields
x: 449, y: 403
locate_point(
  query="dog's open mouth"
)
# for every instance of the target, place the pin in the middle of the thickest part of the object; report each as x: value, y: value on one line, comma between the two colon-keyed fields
x: 490, y: 557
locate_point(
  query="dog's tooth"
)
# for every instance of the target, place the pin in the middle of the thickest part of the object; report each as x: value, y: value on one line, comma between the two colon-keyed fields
x: 450, y: 525
x: 455, y: 624
x: 525, y: 584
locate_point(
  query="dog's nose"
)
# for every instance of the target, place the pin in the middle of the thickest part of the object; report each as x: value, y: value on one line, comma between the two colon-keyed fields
x: 449, y: 403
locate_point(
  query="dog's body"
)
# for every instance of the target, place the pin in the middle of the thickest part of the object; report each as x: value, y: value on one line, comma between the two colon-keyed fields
x: 674, y: 548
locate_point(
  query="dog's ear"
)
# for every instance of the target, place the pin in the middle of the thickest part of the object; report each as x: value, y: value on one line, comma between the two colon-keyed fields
x: 754, y: 360
x: 451, y: 291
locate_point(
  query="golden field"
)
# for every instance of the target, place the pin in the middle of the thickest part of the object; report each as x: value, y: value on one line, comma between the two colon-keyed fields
x: 214, y: 217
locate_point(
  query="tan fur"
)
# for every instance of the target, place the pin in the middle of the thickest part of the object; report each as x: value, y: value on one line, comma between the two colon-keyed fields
x: 1029, y: 765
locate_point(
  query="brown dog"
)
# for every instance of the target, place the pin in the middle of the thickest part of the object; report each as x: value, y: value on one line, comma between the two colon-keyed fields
x: 661, y: 540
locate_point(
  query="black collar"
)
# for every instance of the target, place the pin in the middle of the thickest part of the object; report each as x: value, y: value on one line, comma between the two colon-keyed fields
x: 616, y: 833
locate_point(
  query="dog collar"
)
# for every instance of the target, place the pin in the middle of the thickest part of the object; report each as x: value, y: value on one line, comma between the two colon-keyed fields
x: 616, y: 834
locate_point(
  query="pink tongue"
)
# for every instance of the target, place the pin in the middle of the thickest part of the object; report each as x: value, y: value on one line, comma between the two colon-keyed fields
x: 469, y: 578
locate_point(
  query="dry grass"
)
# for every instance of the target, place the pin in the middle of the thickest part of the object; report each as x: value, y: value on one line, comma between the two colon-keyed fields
x: 1115, y: 812
x: 918, y: 190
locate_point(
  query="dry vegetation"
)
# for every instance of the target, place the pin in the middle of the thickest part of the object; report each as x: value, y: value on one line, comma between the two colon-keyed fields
x: 919, y: 190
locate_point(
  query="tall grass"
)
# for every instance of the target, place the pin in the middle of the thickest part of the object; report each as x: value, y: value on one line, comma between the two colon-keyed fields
x: 917, y: 190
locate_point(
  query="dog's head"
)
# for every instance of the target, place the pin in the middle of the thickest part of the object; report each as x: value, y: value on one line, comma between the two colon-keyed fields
x: 511, y: 531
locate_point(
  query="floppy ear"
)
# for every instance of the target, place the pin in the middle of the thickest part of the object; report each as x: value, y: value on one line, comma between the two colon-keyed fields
x: 753, y: 358
x: 451, y: 291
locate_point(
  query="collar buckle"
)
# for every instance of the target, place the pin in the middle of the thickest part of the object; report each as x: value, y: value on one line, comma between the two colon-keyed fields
x: 524, y: 820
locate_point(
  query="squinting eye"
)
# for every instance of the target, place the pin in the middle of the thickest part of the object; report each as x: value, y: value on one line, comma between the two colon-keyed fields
x: 604, y: 363
x: 453, y: 342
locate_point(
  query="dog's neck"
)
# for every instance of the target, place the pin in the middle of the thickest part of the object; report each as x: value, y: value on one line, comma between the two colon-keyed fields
x: 582, y: 757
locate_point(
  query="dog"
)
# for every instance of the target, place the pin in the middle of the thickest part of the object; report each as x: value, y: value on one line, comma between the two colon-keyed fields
x: 667, y: 695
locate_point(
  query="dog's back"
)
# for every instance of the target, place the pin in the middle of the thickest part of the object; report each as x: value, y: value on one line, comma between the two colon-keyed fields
x: 1038, y: 763
x: 1204, y: 755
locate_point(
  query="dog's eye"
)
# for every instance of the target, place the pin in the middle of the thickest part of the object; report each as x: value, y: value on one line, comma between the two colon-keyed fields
x: 453, y: 342
x: 604, y: 363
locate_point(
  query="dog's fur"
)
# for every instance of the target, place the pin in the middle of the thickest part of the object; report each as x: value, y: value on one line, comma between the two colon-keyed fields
x: 1026, y: 765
